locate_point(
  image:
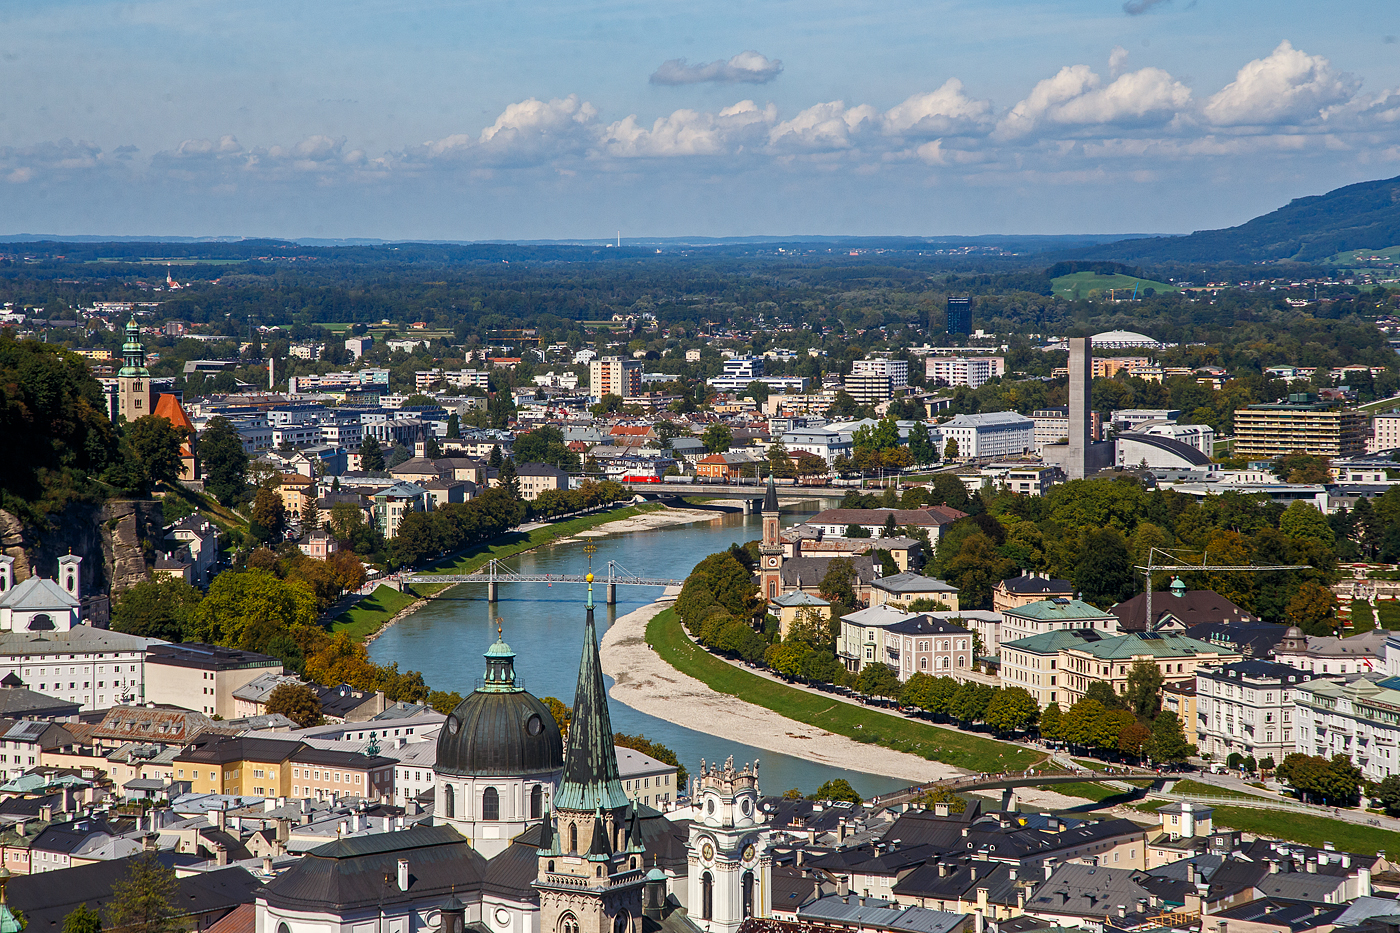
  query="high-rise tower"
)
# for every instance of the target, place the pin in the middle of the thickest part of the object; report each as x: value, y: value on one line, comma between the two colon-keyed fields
x: 1081, y: 399
x: 771, y: 550
x: 591, y: 870
x: 133, y: 379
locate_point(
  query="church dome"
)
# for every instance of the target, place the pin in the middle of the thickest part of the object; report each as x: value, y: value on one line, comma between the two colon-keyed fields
x: 1294, y: 632
x: 500, y: 729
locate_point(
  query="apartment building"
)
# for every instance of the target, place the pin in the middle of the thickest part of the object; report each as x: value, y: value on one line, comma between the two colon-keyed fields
x: 926, y: 645
x: 1300, y: 425
x: 1357, y: 715
x: 1029, y: 588
x: 864, y: 639
x: 203, y: 677
x: 1052, y: 426
x: 613, y: 375
x: 93, y: 667
x: 262, y: 767
x: 1034, y: 663
x: 1056, y: 614
x: 1385, y: 432
x: 1246, y: 707
x: 970, y: 371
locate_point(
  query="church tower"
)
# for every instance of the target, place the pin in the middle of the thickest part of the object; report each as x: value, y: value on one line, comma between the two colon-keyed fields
x: 133, y: 379
x: 730, y: 872
x: 591, y: 871
x: 771, y: 550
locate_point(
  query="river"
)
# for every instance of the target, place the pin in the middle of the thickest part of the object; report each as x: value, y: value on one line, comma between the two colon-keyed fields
x: 543, y: 624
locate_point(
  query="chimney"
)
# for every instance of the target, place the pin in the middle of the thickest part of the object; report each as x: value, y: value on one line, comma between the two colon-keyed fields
x: 940, y: 809
x: 1311, y: 866
x: 843, y: 886
x: 220, y: 818
x: 267, y: 864
x: 1012, y: 872
x: 67, y: 799
x: 220, y: 854
x: 1049, y: 870
x: 1363, y: 881
x: 979, y: 922
x: 1142, y: 905
x: 403, y: 874
x: 46, y: 813
x: 1273, y: 867
x: 150, y: 842
x: 19, y: 827
x: 1122, y: 911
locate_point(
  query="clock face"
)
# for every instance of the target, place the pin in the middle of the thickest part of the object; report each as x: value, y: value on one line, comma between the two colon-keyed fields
x: 707, y: 852
x: 748, y: 853
x: 772, y: 562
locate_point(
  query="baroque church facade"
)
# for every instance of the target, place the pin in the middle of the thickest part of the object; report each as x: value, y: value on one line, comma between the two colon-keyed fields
x: 531, y: 835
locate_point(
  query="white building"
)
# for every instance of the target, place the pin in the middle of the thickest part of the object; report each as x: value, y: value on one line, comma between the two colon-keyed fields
x: 92, y: 667
x: 1357, y: 716
x: 971, y: 371
x: 821, y: 442
x: 864, y: 639
x: 1199, y: 436
x: 995, y: 434
x: 39, y: 604
x: 896, y: 371
x: 730, y: 869
x: 1385, y: 432
x: 1246, y: 707
x: 1322, y: 654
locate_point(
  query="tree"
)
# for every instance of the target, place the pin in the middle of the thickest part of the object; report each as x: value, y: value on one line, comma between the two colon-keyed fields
x: 561, y: 713
x: 717, y: 438
x: 82, y: 919
x: 270, y: 514
x: 921, y: 445
x: 1102, y: 691
x: 1303, y: 520
x: 247, y: 609
x: 838, y: 585
x: 1388, y: 794
x: 878, y: 680
x: 950, y: 449
x: 1144, y: 690
x: 298, y: 702
x: 1051, y: 726
x: 857, y: 531
x: 155, y: 442
x: 976, y: 569
x: 1363, y: 619
x: 1168, y: 742
x: 311, y: 518
x: 890, y: 529
x: 1388, y: 614
x: 1133, y: 738
x: 508, y: 480
x: 143, y: 901
x: 156, y: 609
x: 454, y: 426
x: 1105, y: 571
x: 934, y: 796
x: 225, y: 462
x: 656, y: 750
x: 371, y: 455
x: 837, y: 789
x: 1313, y: 609
x: 1012, y: 709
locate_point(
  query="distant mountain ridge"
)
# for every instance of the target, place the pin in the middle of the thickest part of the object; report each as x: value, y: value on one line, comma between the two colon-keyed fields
x: 1360, y: 216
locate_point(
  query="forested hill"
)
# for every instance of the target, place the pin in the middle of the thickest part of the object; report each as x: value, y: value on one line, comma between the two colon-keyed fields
x: 1361, y: 216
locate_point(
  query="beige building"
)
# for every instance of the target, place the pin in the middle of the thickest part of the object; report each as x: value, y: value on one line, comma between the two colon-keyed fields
x: 1111, y: 660
x: 1029, y: 588
x: 1299, y: 425
x: 203, y: 677
x: 536, y: 478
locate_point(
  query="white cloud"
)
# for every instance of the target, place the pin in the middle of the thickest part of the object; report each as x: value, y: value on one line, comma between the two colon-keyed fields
x: 206, y: 148
x: 1116, y: 60
x: 1290, y: 86
x: 533, y: 130
x: 748, y: 67
x: 941, y: 112
x: 1076, y: 97
x: 19, y: 164
x: 689, y: 132
x: 823, y: 127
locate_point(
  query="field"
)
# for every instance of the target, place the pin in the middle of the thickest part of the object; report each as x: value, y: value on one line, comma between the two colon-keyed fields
x: 864, y: 725
x: 1080, y: 284
x: 1361, y: 257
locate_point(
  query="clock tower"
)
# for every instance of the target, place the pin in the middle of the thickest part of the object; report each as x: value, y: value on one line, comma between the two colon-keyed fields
x: 771, y: 550
x: 133, y: 379
x: 730, y: 871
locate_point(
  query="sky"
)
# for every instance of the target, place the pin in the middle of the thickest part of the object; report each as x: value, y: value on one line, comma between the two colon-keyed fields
x: 542, y: 119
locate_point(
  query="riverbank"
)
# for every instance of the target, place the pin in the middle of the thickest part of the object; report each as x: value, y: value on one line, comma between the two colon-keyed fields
x: 386, y: 606
x: 645, y: 682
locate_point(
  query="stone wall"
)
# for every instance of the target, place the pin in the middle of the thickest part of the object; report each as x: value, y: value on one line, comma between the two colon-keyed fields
x: 111, y: 538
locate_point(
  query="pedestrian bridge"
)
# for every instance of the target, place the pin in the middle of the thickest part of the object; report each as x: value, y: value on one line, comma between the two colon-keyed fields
x: 496, y: 573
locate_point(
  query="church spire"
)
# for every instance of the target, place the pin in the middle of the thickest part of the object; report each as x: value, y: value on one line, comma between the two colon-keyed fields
x: 591, y: 777
x: 770, y: 497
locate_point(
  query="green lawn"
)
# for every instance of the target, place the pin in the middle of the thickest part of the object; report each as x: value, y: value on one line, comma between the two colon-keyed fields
x: 1309, y: 830
x: 1189, y: 786
x: 1359, y: 257
x: 1080, y: 284
x: 864, y: 725
x: 365, y: 618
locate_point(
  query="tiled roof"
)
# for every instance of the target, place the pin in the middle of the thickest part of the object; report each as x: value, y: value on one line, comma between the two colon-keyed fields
x: 1057, y: 610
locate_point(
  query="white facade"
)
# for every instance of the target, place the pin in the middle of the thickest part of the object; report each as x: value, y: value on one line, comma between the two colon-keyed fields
x: 820, y: 442
x: 996, y: 434
x: 730, y: 870
x: 1199, y: 436
x: 1353, y: 716
x: 1246, y: 707
x: 896, y: 371
x: 466, y: 804
x: 39, y: 604
x: 971, y: 371
x: 92, y: 667
x: 1385, y: 432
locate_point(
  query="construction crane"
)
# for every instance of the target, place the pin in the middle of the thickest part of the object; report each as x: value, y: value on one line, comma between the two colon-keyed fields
x: 1150, y: 623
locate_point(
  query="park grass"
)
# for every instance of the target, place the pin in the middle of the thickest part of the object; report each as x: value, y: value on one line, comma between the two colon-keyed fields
x: 1309, y: 830
x: 1095, y: 792
x: 365, y: 617
x: 948, y: 746
x: 1196, y: 788
x: 369, y: 615
x: 1079, y: 284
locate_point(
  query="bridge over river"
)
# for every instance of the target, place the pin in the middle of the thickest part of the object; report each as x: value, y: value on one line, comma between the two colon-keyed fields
x: 495, y: 573
x: 1008, y: 781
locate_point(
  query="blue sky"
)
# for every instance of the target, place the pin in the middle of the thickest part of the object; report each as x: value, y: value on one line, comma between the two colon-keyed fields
x: 545, y: 119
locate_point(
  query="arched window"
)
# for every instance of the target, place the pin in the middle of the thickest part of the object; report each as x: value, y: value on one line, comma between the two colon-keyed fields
x: 283, y: 928
x: 449, y: 802
x: 707, y: 896
x: 573, y: 838
x: 490, y: 805
x: 772, y: 589
x: 923, y: 664
x: 962, y: 661
x: 622, y: 923
x: 568, y: 923
x: 42, y: 622
x: 945, y: 662
x: 748, y: 894
x: 537, y: 802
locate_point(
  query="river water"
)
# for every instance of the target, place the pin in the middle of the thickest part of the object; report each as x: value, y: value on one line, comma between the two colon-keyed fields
x: 544, y: 626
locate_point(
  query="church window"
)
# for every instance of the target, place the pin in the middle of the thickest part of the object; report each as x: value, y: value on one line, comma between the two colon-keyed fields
x: 623, y: 922
x: 449, y: 801
x: 707, y: 896
x: 748, y: 894
x: 537, y: 802
x: 573, y: 838
x: 568, y: 924
x: 490, y: 805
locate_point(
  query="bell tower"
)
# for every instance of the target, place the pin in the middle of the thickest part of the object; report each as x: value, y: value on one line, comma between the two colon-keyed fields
x: 591, y: 871
x: 133, y: 379
x: 730, y: 871
x: 771, y: 550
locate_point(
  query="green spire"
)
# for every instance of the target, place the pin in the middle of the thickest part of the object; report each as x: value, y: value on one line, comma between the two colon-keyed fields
x: 591, y: 778
x: 133, y: 354
x: 500, y: 667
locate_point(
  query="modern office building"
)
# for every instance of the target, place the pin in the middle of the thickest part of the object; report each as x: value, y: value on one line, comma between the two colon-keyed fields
x: 960, y: 316
x: 994, y: 434
x: 970, y: 371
